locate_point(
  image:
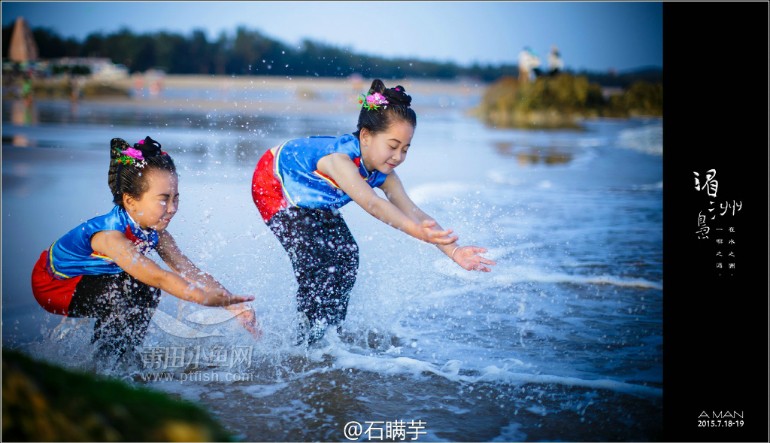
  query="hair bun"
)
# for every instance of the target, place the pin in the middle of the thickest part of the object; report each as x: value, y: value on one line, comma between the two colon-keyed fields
x: 395, y: 96
x: 117, y: 145
x: 149, y: 147
x: 398, y: 96
x: 377, y: 86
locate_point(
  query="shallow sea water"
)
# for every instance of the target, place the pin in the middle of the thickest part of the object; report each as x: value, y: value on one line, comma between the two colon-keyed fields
x: 562, y: 341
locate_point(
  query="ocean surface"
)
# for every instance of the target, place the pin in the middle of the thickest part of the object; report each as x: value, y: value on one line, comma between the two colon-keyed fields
x: 562, y: 341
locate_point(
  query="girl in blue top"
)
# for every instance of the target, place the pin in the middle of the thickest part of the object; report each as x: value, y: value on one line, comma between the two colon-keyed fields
x: 299, y: 186
x: 99, y: 269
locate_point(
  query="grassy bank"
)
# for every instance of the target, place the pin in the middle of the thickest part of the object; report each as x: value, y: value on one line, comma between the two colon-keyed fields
x: 562, y: 101
x: 42, y: 402
x: 62, y: 88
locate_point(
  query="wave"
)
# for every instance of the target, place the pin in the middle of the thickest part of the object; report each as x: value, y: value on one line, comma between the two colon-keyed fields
x: 522, y: 274
x: 649, y: 187
x: 647, y: 139
x: 432, y: 191
x: 501, y: 178
x: 345, y: 359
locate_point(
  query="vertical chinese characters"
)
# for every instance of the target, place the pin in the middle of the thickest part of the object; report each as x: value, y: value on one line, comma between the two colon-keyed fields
x: 711, y: 220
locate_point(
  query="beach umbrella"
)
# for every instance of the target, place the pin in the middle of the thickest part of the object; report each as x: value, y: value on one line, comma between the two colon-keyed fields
x: 23, y: 48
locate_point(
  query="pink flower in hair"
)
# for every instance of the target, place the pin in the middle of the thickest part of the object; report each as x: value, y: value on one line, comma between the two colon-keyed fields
x: 135, y: 153
x: 372, y: 101
x: 131, y: 156
x: 376, y: 99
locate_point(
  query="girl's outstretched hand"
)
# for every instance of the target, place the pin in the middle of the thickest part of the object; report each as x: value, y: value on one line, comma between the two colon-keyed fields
x: 469, y: 259
x: 247, y: 318
x: 434, y: 236
x: 220, y: 297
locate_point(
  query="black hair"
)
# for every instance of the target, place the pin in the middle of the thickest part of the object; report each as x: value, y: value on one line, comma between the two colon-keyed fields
x: 380, y: 119
x: 128, y: 175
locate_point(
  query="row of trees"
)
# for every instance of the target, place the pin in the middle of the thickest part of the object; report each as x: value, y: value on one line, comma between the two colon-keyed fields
x: 248, y: 52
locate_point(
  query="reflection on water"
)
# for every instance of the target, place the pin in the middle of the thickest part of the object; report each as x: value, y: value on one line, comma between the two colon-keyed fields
x: 527, y: 155
x: 24, y: 113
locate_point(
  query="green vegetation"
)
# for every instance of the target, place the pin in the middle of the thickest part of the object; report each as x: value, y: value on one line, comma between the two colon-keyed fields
x: 641, y: 98
x: 562, y: 101
x: 61, y: 88
x: 42, y: 402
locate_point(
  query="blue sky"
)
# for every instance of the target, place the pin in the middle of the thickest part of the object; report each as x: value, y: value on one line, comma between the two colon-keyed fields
x: 596, y: 35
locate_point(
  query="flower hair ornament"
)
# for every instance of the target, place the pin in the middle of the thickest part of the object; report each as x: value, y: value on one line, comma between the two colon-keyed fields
x: 132, y: 156
x: 373, y: 101
x: 124, y: 154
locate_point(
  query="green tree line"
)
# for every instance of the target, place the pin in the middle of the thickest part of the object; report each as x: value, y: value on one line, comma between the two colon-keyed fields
x: 249, y: 52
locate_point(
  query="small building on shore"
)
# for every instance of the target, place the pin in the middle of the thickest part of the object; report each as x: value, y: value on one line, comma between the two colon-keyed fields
x: 101, y: 69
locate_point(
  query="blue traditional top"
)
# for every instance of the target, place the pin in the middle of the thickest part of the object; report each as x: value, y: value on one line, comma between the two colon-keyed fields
x: 303, y: 185
x: 72, y: 254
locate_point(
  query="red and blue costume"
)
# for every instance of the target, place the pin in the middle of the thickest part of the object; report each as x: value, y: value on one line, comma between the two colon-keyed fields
x: 300, y: 205
x: 72, y: 279
x: 61, y: 267
x: 288, y: 176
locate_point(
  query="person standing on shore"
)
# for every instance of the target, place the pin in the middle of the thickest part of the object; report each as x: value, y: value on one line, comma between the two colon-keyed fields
x: 555, y: 63
x: 99, y: 269
x: 299, y: 186
x: 26, y: 88
x: 529, y: 63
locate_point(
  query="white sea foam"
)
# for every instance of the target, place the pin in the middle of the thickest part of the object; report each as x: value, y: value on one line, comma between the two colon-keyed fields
x: 210, y: 316
x: 501, y: 178
x: 451, y: 370
x: 494, y: 373
x: 504, y: 275
x: 188, y: 391
x: 431, y: 191
x: 649, y: 187
x: 511, y: 432
x: 178, y: 328
x: 647, y: 139
x: 260, y: 391
x: 216, y: 395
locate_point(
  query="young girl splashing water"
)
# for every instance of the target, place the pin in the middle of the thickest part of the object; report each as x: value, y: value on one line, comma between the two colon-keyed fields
x: 299, y: 186
x: 99, y: 269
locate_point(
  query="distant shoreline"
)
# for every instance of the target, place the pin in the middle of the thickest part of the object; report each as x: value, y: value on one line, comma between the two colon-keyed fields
x: 344, y: 91
x: 318, y: 83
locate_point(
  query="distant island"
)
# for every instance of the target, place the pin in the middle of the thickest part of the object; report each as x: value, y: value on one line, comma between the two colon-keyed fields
x: 563, y: 100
